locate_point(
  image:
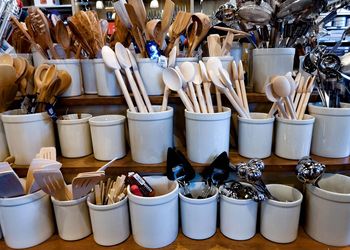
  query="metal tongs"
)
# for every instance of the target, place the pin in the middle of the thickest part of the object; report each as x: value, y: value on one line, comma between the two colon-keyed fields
x: 7, y: 9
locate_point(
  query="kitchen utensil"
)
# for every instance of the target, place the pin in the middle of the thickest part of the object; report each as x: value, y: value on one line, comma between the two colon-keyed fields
x: 48, y: 153
x: 153, y: 28
x: 188, y: 72
x: 51, y: 182
x: 198, y: 85
x: 83, y: 183
x: 171, y: 63
x: 64, y: 83
x: 227, y: 44
x: 140, y: 81
x: 225, y: 79
x: 124, y: 62
x: 203, y: 26
x: 309, y: 171
x: 109, y: 58
x: 241, y: 81
x: 6, y: 59
x: 191, y: 34
x: 140, y: 9
x: 168, y: 12
x: 179, y: 26
x: 42, y: 28
x: 282, y: 88
x: 206, y: 85
x: 8, y: 88
x: 300, y: 90
x: 63, y: 37
x: 236, y: 79
x: 214, y: 45
x: 20, y: 66
x: 38, y: 163
x: 272, y: 97
x: 173, y: 81
x: 306, y: 97
x: 215, y: 79
x: 10, y: 185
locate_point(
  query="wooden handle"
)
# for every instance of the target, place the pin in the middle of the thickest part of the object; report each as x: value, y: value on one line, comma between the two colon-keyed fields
x: 234, y: 103
x: 218, y: 99
x: 139, y: 102
x: 185, y: 100
x: 165, y: 98
x: 143, y: 91
x: 272, y: 110
x: 125, y: 91
x: 238, y: 90
x: 201, y: 99
x: 289, y: 108
x: 281, y: 108
x: 238, y: 101
x: 303, y: 108
x: 194, y: 98
x: 170, y: 46
x: 208, y: 97
x: 244, y: 96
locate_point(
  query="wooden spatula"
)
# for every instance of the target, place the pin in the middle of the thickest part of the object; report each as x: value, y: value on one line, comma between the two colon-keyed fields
x: 168, y: 12
x: 84, y: 183
x: 51, y: 182
x: 179, y: 26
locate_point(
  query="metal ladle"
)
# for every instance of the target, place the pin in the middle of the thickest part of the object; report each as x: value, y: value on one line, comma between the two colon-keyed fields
x: 309, y: 171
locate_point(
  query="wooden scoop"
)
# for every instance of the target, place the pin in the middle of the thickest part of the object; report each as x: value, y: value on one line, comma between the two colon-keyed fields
x: 63, y: 37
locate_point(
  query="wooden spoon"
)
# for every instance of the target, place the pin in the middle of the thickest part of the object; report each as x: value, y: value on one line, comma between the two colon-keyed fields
x: 173, y: 81
x: 168, y: 12
x: 8, y: 87
x: 203, y: 26
x: 63, y: 37
x: 124, y: 61
x: 109, y: 58
x: 241, y: 81
x: 171, y: 63
x: 6, y: 59
x: 212, y: 65
x: 236, y: 80
x: 206, y: 84
x: 282, y: 88
x: 272, y: 97
x: 179, y: 26
x: 140, y: 9
x: 198, y: 83
x: 188, y: 71
x: 20, y: 66
x: 60, y: 86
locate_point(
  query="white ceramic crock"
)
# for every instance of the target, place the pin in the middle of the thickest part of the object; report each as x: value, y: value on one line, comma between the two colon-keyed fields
x: 89, y: 76
x: 106, y: 81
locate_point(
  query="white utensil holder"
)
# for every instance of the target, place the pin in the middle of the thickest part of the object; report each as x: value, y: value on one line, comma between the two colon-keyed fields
x: 72, y: 66
x: 293, y: 137
x: 110, y: 223
x: 151, y: 134
x: 72, y: 218
x: 331, y: 131
x: 108, y: 136
x: 207, y: 135
x: 151, y: 74
x: 74, y: 136
x: 327, y: 210
x: 238, y: 217
x: 4, y: 152
x: 26, y: 134
x: 89, y: 76
x: 270, y: 62
x: 26, y: 221
x: 106, y: 80
x: 155, y: 220
x: 198, y: 216
x: 279, y: 220
x: 255, y: 135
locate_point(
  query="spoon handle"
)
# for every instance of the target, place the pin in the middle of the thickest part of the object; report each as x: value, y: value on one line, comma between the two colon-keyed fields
x: 218, y: 99
x: 281, y: 108
x: 125, y: 91
x: 289, y: 108
x: 194, y: 97
x: 185, y: 100
x: 165, y: 98
x: 244, y: 96
x: 238, y: 101
x: 139, y: 102
x: 234, y: 103
x: 201, y: 99
x: 238, y: 90
x: 143, y: 91
x: 208, y: 97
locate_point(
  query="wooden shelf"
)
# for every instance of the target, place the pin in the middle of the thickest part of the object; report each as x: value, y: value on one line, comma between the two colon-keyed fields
x: 89, y: 163
x: 85, y: 100
x: 218, y: 241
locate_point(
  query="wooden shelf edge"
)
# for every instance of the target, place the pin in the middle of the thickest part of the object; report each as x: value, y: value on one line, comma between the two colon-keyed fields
x: 274, y: 163
x: 218, y: 241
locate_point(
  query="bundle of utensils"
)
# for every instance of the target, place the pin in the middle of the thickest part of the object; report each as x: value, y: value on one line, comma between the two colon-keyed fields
x: 122, y: 58
x: 289, y: 96
x: 8, y: 8
x: 188, y: 78
x: 83, y: 37
x: 16, y: 75
x: 12, y: 186
x: 110, y: 191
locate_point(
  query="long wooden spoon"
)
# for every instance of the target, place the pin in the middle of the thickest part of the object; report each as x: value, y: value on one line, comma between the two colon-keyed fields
x: 206, y: 84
